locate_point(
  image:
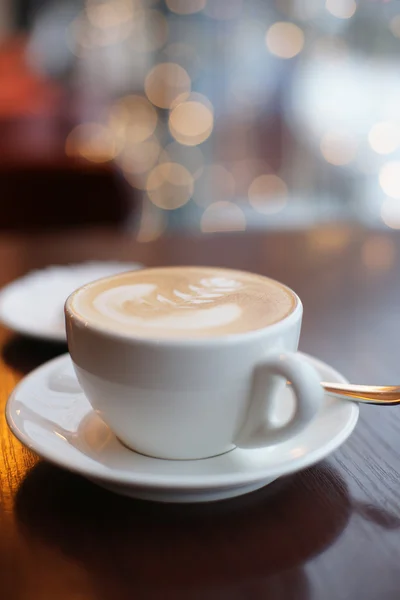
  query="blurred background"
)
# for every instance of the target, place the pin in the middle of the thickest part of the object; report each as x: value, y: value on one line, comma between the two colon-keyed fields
x: 199, y: 115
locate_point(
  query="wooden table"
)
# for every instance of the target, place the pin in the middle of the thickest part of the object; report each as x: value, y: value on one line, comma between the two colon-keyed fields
x: 329, y: 533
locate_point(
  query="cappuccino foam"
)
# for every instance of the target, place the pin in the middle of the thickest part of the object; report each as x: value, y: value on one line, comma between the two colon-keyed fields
x: 183, y: 302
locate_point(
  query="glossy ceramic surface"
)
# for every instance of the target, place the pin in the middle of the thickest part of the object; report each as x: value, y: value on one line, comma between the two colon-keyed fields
x: 49, y: 414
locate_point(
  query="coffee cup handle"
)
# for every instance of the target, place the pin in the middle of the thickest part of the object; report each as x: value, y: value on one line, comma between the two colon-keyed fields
x: 259, y: 429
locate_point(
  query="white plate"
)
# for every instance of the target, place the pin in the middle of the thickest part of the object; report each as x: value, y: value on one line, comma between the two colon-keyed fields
x: 34, y: 304
x: 49, y: 413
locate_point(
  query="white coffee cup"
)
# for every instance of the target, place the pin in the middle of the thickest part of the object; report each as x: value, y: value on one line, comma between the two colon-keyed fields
x: 194, y: 398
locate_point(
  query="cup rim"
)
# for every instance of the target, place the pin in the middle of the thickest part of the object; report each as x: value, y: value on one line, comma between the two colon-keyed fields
x: 222, y: 340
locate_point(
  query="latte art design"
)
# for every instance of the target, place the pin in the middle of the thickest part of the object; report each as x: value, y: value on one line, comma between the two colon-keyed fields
x: 184, y: 302
x: 147, y: 305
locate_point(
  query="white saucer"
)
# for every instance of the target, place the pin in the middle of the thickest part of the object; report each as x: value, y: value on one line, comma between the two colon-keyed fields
x: 49, y: 413
x: 33, y: 305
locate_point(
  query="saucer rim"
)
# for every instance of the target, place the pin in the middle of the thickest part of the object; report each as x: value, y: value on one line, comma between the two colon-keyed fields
x: 173, y: 482
x: 13, y: 287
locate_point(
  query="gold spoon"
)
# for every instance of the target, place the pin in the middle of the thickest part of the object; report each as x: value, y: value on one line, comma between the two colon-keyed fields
x: 369, y: 394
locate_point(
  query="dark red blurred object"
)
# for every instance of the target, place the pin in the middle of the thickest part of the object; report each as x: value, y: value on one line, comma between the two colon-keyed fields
x: 40, y: 187
x: 35, y: 198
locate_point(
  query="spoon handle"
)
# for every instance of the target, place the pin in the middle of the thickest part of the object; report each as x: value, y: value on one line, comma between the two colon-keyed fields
x: 368, y: 394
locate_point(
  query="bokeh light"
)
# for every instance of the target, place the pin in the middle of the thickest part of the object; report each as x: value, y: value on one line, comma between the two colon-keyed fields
x: 136, y: 180
x: 101, y: 24
x: 109, y: 14
x: 222, y: 216
x: 169, y: 186
x: 223, y: 10
x: 81, y: 37
x: 378, y: 253
x: 338, y: 148
x: 191, y: 157
x: 114, y: 22
x: 192, y: 97
x: 186, y: 7
x: 92, y: 141
x: 153, y: 223
x: 384, y: 137
x: 268, y: 194
x: 284, y: 39
x: 138, y: 135
x: 245, y: 171
x: 215, y: 183
x: 389, y: 178
x: 327, y: 241
x: 140, y: 158
x: 390, y: 213
x: 165, y: 83
x: 394, y: 26
x: 133, y: 118
x: 149, y: 32
x: 342, y: 9
x: 191, y: 123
